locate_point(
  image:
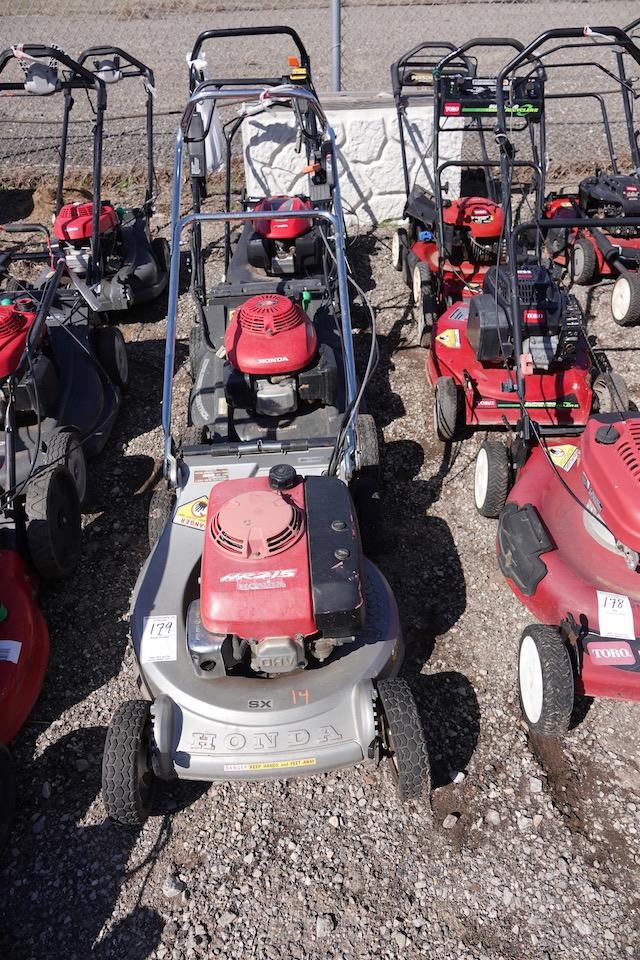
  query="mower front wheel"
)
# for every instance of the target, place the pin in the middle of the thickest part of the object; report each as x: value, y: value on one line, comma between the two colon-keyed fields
x: 65, y: 447
x: 545, y: 680
x: 112, y: 354
x: 625, y: 300
x: 366, y: 481
x: 197, y: 346
x: 160, y: 508
x: 611, y: 392
x: 492, y: 478
x: 446, y: 408
x: 128, y: 780
x: 421, y: 283
x: 53, y: 526
x: 399, y: 243
x: 404, y: 739
x: 584, y: 262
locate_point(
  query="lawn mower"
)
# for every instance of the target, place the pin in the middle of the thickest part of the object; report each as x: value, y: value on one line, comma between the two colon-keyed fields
x: 267, y: 644
x: 39, y: 528
x: 596, y: 253
x: 107, y: 245
x: 279, y: 254
x: 67, y: 390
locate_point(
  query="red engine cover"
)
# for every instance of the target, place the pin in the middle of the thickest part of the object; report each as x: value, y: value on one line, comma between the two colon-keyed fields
x: 74, y: 221
x: 270, y: 334
x: 613, y: 470
x: 255, y: 578
x: 24, y: 645
x: 14, y: 327
x: 286, y: 228
x: 483, y: 218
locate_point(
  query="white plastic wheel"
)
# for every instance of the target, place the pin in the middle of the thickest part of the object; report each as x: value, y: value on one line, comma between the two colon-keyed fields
x: 530, y: 680
x: 620, y: 299
x: 578, y: 261
x: 396, y: 251
x: 417, y: 284
x: 481, y: 479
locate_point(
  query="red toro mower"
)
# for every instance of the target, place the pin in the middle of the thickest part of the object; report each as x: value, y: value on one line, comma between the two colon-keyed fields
x: 597, y: 253
x: 39, y: 525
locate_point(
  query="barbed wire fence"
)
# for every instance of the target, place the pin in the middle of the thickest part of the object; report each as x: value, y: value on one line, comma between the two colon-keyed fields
x: 161, y: 32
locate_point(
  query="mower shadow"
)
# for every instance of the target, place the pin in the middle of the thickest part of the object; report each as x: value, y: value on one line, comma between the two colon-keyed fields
x: 87, y: 863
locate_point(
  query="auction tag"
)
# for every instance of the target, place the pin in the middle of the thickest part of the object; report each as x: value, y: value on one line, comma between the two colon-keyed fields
x: 615, y: 616
x: 10, y: 651
x: 159, y: 639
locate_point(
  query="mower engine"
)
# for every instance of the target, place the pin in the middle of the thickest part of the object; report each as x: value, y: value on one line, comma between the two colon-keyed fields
x: 611, y: 195
x: 73, y: 226
x: 610, y: 461
x: 38, y: 386
x: 284, y: 245
x: 281, y: 579
x: 274, y: 361
x: 551, y: 319
x: 473, y: 229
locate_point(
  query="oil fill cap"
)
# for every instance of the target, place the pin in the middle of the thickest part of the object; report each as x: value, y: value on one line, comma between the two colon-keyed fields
x: 282, y: 477
x: 607, y: 435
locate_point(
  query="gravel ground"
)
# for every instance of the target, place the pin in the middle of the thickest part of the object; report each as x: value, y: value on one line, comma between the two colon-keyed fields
x: 532, y: 848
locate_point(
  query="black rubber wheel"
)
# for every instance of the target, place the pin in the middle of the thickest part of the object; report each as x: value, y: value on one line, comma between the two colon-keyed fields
x: 404, y: 739
x: 197, y: 346
x: 53, y: 522
x: 421, y: 283
x: 625, y: 300
x: 112, y: 354
x: 160, y: 508
x: 492, y: 478
x: 584, y: 262
x: 162, y: 253
x: 128, y: 780
x: 399, y: 244
x: 546, y: 681
x: 611, y: 393
x: 446, y: 408
x: 7, y: 794
x: 65, y: 447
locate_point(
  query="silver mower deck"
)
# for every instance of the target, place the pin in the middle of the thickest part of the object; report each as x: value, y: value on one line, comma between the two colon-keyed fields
x: 242, y: 728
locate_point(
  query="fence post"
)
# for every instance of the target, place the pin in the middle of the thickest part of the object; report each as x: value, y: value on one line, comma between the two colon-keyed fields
x: 336, y: 46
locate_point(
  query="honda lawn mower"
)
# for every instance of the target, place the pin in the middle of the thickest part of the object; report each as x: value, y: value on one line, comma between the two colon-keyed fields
x: 39, y: 526
x: 448, y: 245
x: 598, y: 253
x: 106, y: 245
x: 284, y: 253
x: 66, y: 391
x: 267, y: 644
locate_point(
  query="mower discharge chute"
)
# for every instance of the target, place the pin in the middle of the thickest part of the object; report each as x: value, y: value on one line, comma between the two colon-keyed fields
x: 267, y: 644
x: 106, y: 245
x: 596, y: 253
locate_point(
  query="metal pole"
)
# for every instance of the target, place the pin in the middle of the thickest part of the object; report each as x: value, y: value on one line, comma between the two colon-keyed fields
x: 336, y: 46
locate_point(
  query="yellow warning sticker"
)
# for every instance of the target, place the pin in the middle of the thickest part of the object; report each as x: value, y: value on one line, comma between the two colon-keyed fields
x: 192, y: 514
x: 449, y: 338
x: 269, y: 765
x: 564, y: 455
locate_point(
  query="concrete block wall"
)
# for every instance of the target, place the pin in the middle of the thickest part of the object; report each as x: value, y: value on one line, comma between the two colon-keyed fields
x: 369, y: 156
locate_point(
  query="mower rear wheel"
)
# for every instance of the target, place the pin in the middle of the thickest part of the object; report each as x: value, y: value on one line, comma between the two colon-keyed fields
x: 366, y: 482
x: 160, y: 508
x: 128, y: 780
x: 421, y: 283
x: 611, y: 392
x: 492, y: 478
x: 404, y: 739
x: 625, y: 300
x: 545, y: 680
x: 53, y: 522
x: 65, y: 447
x: 446, y: 408
x: 399, y: 243
x: 7, y: 794
x: 584, y: 262
x: 112, y: 354
x: 162, y: 253
x: 196, y: 348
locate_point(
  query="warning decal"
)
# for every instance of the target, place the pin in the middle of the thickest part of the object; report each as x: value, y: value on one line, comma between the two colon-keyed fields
x: 564, y: 456
x: 269, y: 765
x: 449, y: 338
x: 192, y: 514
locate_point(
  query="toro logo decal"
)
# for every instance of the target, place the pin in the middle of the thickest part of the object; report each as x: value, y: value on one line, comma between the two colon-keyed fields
x: 611, y: 654
x: 452, y: 109
x: 534, y: 316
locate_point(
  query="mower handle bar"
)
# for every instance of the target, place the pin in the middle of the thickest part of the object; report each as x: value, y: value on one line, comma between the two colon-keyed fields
x: 408, y: 59
x: 478, y: 42
x: 252, y: 32
x: 26, y: 228
x: 207, y: 90
x: 39, y: 51
x: 142, y: 68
